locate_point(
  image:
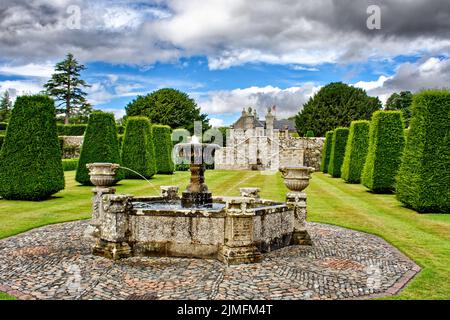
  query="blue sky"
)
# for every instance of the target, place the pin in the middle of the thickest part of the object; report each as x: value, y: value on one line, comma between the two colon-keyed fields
x: 226, y: 54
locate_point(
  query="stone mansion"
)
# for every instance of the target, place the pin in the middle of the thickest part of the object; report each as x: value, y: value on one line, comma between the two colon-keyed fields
x: 254, y: 144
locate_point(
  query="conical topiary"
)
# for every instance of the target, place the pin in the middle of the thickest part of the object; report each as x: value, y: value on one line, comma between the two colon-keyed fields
x: 163, y: 149
x: 356, y: 151
x: 423, y: 180
x: 30, y: 159
x: 326, y: 151
x: 100, y: 145
x: 338, y: 145
x: 138, y: 152
x: 386, y: 143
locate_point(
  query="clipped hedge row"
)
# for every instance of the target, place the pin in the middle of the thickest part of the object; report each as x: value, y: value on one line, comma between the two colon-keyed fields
x: 423, y: 181
x: 326, y: 151
x: 338, y: 145
x: 30, y: 159
x: 70, y: 164
x: 100, y: 145
x: 356, y: 151
x: 71, y: 129
x: 386, y: 143
x: 162, y: 142
x: 138, y: 152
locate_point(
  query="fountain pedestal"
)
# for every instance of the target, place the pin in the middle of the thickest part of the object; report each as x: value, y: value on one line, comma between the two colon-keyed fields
x: 196, y: 194
x: 296, y: 180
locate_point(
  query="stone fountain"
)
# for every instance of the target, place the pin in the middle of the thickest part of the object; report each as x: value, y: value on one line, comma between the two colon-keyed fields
x: 232, y: 229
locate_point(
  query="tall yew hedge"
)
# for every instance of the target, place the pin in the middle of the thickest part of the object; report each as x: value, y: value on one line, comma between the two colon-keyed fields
x: 386, y: 143
x: 30, y: 159
x: 138, y: 152
x: 356, y: 151
x: 162, y: 140
x: 100, y: 145
x: 423, y: 181
x: 338, y: 144
x: 326, y: 151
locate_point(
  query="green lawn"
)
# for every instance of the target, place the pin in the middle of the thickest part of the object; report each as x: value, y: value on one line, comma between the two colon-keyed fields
x: 424, y: 238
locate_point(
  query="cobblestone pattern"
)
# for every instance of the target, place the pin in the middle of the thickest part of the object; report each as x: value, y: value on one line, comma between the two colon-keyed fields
x: 55, y: 262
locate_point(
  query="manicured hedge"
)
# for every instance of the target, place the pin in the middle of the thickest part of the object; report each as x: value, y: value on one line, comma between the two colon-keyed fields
x: 356, y: 151
x: 138, y: 152
x: 70, y: 164
x: 30, y: 159
x: 386, y: 143
x: 310, y: 134
x: 338, y: 144
x: 163, y: 149
x: 423, y: 181
x: 326, y: 151
x: 100, y: 145
x: 71, y: 129
x: 3, y: 126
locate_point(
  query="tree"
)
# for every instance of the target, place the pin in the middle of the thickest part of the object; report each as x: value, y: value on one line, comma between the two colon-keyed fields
x: 67, y: 89
x: 335, y: 105
x: 402, y: 102
x: 386, y: 143
x: 423, y: 180
x: 138, y: 152
x: 5, y: 107
x: 168, y: 107
x: 30, y: 159
x: 100, y: 145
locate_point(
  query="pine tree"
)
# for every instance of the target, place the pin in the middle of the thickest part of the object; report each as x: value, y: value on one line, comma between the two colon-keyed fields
x: 5, y: 107
x: 67, y: 89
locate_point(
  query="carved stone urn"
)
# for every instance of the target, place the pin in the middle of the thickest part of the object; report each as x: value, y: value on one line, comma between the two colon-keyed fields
x: 296, y: 179
x: 102, y: 174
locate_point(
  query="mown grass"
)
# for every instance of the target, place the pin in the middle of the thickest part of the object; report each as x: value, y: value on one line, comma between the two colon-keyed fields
x: 424, y: 238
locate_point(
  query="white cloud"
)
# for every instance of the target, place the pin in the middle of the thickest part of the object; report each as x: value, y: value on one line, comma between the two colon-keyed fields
x: 430, y: 73
x: 28, y: 70
x: 20, y: 87
x: 229, y: 33
x: 216, y: 122
x: 288, y: 101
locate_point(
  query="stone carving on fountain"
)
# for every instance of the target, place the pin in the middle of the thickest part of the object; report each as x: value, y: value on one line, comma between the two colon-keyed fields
x: 233, y: 230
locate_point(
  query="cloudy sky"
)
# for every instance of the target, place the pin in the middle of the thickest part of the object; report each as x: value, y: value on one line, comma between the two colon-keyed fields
x: 226, y: 54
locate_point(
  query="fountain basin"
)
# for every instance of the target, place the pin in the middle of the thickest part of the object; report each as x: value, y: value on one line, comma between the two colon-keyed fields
x: 234, y: 229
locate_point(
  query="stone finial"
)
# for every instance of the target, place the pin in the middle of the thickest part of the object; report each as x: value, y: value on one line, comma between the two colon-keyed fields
x: 169, y: 192
x: 249, y: 192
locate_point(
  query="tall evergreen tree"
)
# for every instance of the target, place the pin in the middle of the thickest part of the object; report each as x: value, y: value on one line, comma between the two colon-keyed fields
x: 67, y: 89
x: 5, y: 107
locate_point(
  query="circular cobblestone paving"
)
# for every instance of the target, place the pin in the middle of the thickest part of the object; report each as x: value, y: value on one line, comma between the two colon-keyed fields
x: 54, y: 262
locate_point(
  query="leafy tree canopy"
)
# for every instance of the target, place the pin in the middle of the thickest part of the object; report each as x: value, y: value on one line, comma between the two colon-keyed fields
x: 401, y: 101
x: 66, y: 87
x: 335, y: 105
x: 169, y: 107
